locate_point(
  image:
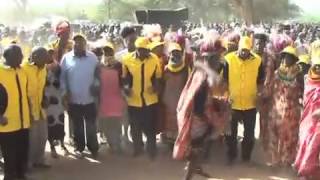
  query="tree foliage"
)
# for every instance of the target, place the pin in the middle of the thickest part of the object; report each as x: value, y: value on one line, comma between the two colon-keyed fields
x: 212, y: 10
x: 205, y: 10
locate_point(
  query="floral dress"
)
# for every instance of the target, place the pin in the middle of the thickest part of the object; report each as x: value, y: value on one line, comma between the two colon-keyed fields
x: 174, y: 84
x: 287, y: 93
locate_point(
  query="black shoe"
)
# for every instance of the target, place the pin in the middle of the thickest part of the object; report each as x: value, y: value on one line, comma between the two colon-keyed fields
x: 137, y: 153
x: 230, y: 161
x: 246, y: 160
x: 54, y: 153
x: 95, y: 155
x: 152, y: 155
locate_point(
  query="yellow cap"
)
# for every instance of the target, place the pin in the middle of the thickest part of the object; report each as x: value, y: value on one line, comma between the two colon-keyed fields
x: 142, y: 42
x: 79, y: 35
x: 109, y: 45
x: 245, y: 43
x: 155, y: 44
x: 290, y: 50
x: 174, y: 47
x: 304, y: 59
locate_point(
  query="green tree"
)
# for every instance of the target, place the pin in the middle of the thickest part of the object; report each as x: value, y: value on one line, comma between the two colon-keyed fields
x: 251, y: 11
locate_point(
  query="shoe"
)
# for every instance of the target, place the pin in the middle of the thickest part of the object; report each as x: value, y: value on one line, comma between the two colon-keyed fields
x: 41, y: 166
x: 230, y: 161
x: 95, y: 155
x: 78, y: 154
x: 152, y: 155
x: 137, y: 153
x: 54, y: 153
x: 65, y: 151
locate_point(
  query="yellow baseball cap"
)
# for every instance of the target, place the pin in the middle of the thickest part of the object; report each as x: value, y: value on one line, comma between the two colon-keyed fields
x: 142, y: 42
x: 304, y: 59
x: 245, y: 43
x: 155, y: 44
x: 174, y: 47
x: 290, y: 50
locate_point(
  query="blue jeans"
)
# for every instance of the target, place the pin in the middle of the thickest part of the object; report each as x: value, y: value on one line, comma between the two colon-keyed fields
x: 80, y: 114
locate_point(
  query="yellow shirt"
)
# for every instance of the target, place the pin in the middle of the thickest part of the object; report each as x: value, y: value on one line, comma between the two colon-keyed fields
x: 141, y: 74
x: 36, y: 84
x: 14, y: 82
x: 54, y: 46
x: 242, y: 80
x: 315, y: 50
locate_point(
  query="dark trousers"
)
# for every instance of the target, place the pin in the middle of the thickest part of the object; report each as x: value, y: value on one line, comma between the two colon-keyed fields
x: 143, y: 120
x: 15, y: 147
x: 248, y: 117
x: 84, y: 120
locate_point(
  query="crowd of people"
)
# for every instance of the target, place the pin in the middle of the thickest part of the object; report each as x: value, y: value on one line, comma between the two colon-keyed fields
x: 191, y: 84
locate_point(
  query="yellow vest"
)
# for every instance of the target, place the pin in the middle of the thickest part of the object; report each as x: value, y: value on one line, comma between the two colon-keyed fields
x: 142, y: 73
x: 36, y: 84
x: 243, y: 76
x: 17, y: 111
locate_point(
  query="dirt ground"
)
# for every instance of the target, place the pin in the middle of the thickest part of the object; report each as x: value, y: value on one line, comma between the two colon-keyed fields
x: 113, y: 167
x: 125, y: 167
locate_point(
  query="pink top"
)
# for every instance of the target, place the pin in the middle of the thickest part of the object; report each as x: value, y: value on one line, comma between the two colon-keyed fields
x: 111, y: 101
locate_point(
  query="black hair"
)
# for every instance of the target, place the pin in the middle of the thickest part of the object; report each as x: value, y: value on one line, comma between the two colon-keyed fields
x: 10, y: 49
x: 126, y: 31
x: 37, y: 50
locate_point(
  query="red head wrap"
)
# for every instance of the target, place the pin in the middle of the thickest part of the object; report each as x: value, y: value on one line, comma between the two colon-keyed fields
x: 181, y: 40
x: 211, y: 47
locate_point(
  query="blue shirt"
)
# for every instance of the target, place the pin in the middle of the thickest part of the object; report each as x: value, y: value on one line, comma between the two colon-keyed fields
x: 77, y: 77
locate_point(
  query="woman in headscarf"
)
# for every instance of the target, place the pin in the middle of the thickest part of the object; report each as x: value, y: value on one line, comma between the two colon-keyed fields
x: 195, y: 122
x: 307, y: 161
x: 175, y: 77
x: 286, y: 94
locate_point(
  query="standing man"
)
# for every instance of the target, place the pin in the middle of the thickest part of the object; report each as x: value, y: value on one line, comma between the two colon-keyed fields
x: 129, y: 36
x: 14, y: 115
x: 141, y: 75
x: 243, y: 71
x: 37, y: 74
x: 78, y: 69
